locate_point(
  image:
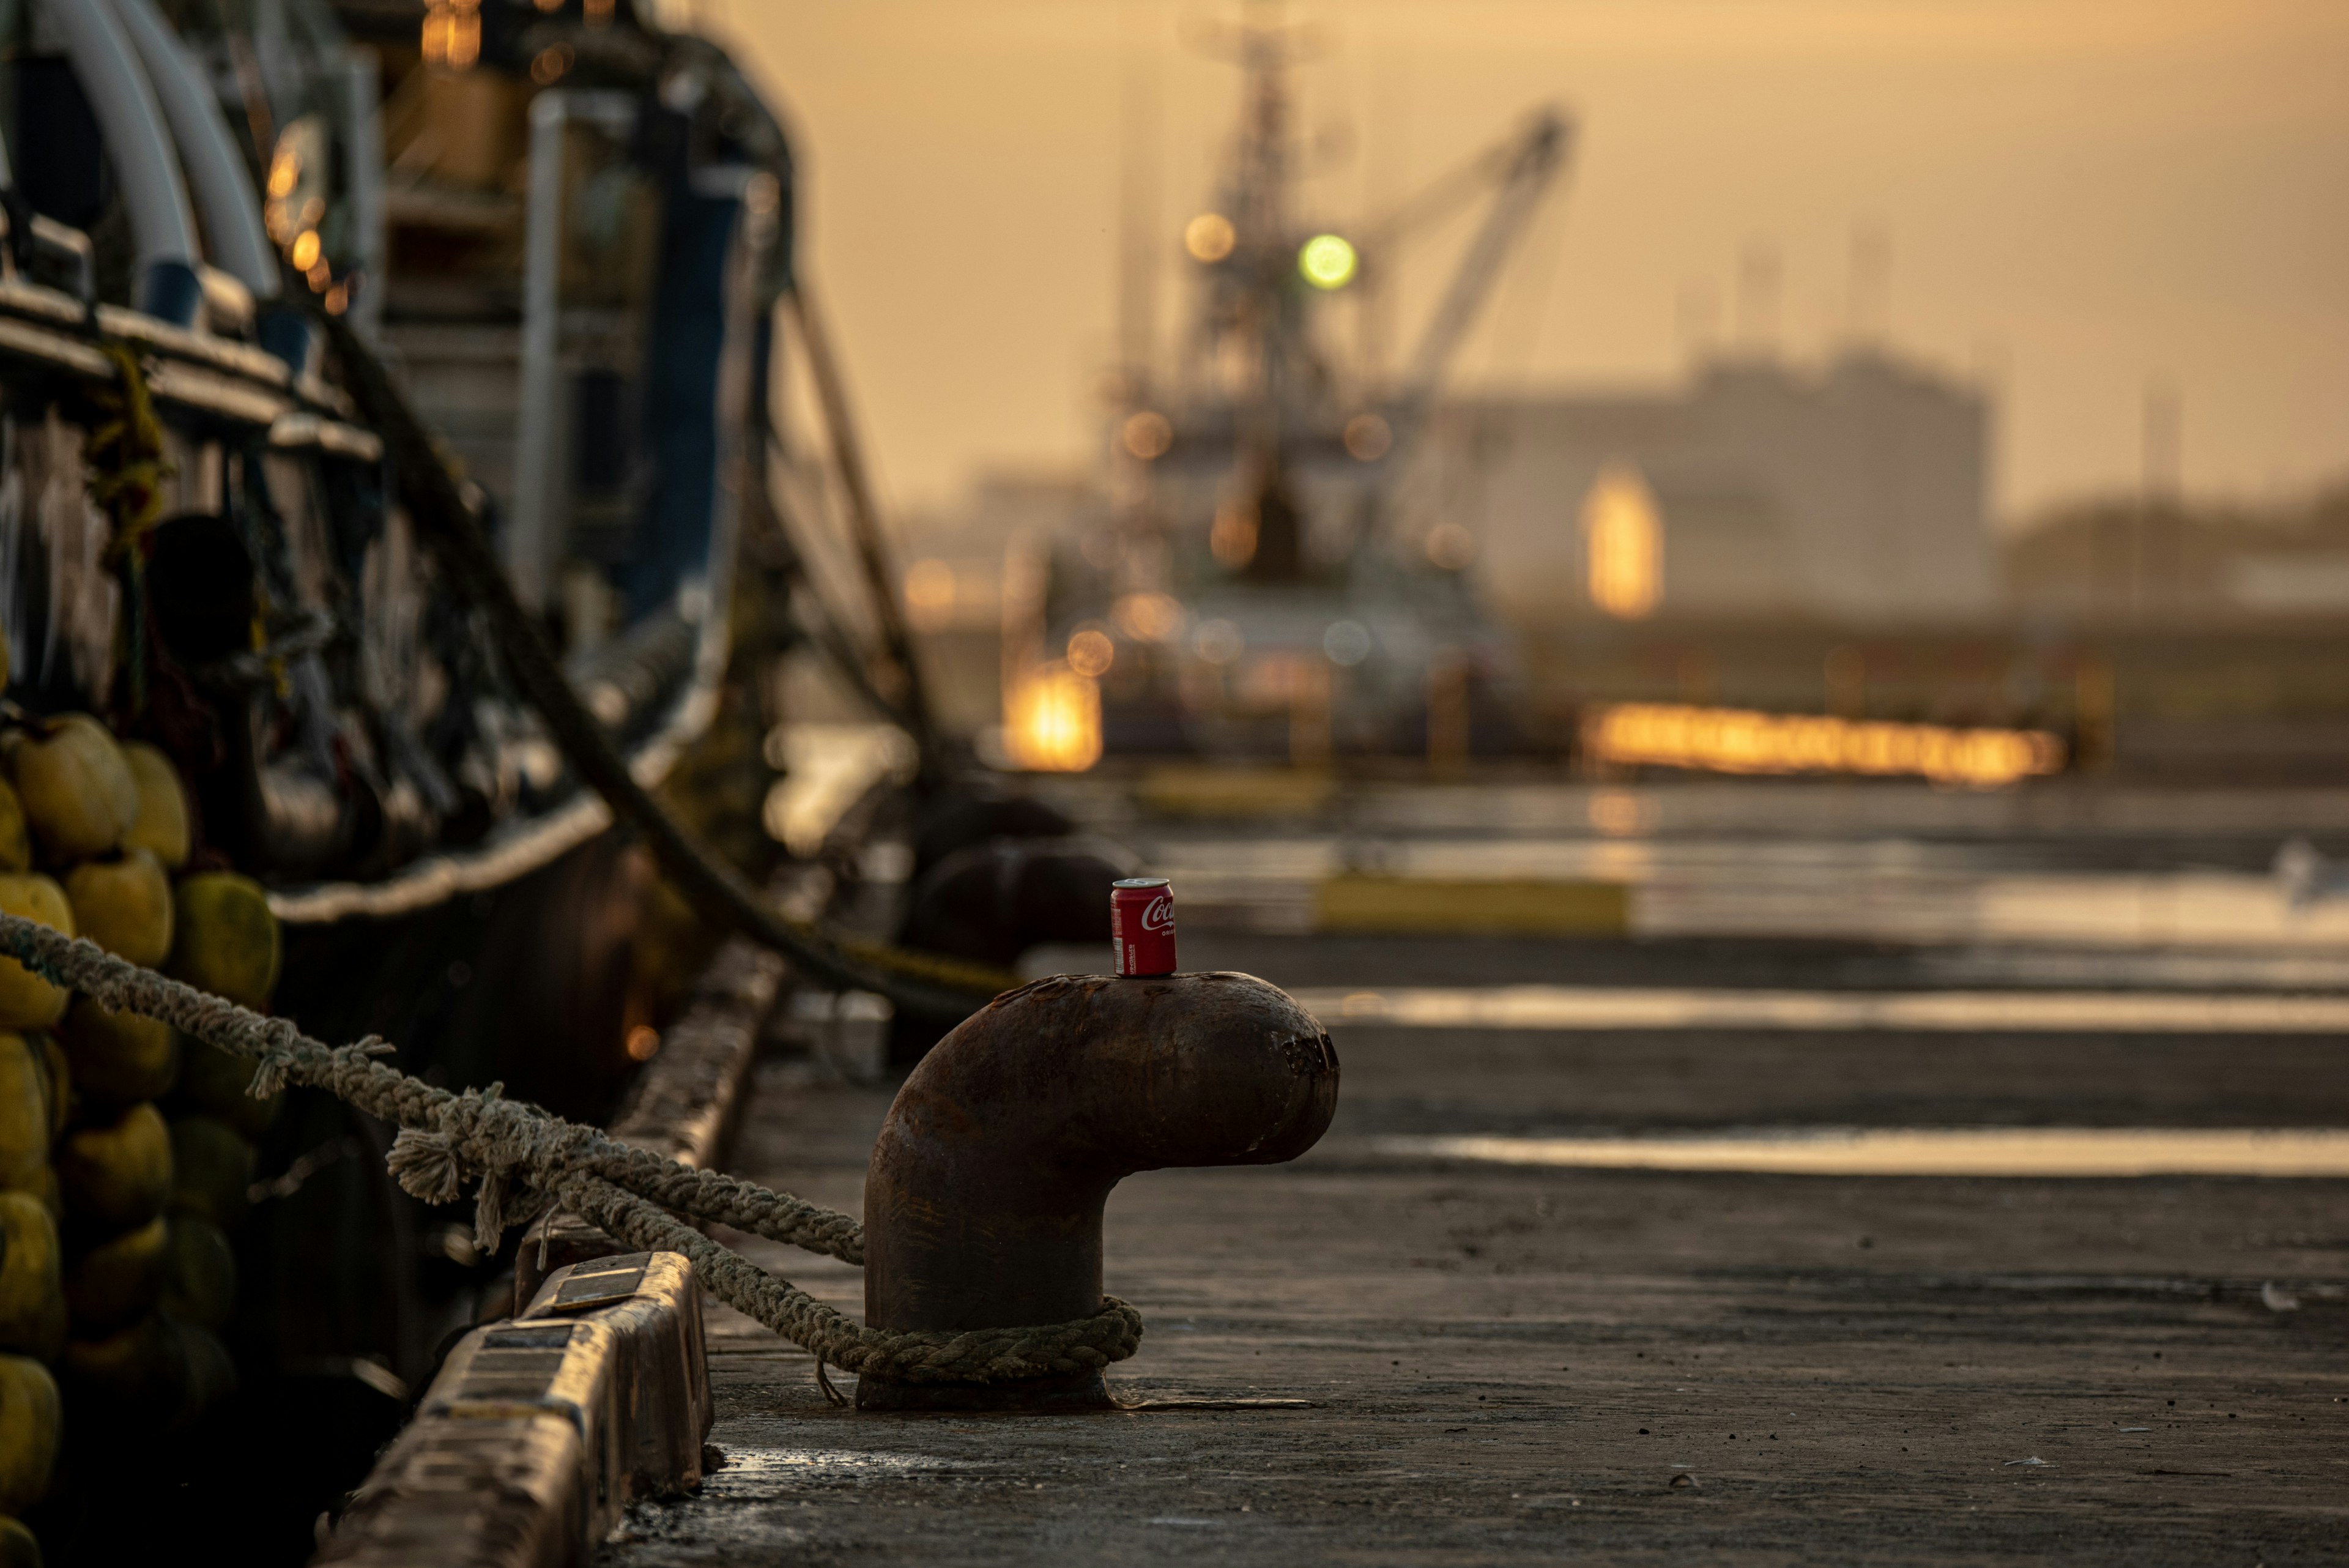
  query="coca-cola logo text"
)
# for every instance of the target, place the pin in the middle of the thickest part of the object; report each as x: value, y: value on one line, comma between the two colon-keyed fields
x: 1159, y: 916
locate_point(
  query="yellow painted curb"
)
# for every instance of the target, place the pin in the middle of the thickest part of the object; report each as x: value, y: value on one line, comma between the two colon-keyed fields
x: 1233, y: 791
x: 1514, y: 906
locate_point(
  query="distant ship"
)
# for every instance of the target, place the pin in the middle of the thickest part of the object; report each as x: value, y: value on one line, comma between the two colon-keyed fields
x: 1269, y: 585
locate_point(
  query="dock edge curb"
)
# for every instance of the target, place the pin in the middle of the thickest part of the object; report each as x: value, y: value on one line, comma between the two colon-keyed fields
x: 539, y: 1429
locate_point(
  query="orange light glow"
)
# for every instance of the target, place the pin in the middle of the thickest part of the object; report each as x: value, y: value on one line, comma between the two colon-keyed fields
x: 1147, y: 435
x: 1148, y: 617
x: 1233, y: 537
x: 1091, y: 652
x: 304, y: 250
x: 1209, y: 237
x: 1451, y: 547
x: 644, y: 1043
x: 452, y: 34
x: 1052, y: 720
x: 930, y: 592
x: 1368, y: 437
x: 1618, y: 813
x: 1738, y: 741
x: 1624, y: 538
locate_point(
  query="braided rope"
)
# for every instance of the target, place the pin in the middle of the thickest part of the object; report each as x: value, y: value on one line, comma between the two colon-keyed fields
x: 970, y: 1355
x: 744, y: 1205
x: 527, y: 1160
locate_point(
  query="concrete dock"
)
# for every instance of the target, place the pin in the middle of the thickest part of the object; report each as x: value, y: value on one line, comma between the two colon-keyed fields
x: 1500, y: 1360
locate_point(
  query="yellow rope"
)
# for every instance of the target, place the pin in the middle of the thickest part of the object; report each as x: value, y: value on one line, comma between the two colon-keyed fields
x: 125, y: 454
x: 962, y: 973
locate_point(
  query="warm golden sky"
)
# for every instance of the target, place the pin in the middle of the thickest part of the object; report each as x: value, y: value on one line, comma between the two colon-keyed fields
x: 2080, y: 195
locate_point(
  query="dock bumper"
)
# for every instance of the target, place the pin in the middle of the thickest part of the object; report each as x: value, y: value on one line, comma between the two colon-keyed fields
x: 541, y: 1428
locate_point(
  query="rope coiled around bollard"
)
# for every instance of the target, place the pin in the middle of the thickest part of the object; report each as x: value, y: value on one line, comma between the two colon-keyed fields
x: 528, y: 1161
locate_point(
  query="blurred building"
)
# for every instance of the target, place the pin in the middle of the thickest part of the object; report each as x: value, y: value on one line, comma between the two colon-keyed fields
x: 960, y: 561
x: 956, y: 556
x: 2168, y: 560
x: 1856, y: 493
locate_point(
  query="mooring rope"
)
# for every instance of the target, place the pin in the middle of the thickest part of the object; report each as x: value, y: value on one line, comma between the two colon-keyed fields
x: 527, y: 1160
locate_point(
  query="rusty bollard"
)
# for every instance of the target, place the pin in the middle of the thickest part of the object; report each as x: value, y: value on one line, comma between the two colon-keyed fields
x: 983, y: 1208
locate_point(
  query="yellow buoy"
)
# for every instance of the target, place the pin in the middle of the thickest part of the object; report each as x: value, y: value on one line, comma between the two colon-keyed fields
x: 199, y: 1273
x: 226, y: 939
x: 160, y: 827
x: 210, y: 1375
x: 44, y: 1188
x: 117, y: 1174
x: 26, y: 1000
x: 138, y: 1366
x: 32, y: 1304
x: 18, y: 1546
x: 119, y: 1280
x: 25, y: 1123
x: 15, y: 839
x: 56, y: 1074
x: 213, y: 1167
x: 123, y: 903
x: 30, y: 1414
x: 119, y: 1057
x: 78, y: 791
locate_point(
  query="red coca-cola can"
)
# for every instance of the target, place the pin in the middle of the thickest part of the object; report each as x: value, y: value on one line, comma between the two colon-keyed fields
x: 1141, y: 925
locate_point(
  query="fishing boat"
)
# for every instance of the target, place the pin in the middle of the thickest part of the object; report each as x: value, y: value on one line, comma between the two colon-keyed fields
x: 565, y: 231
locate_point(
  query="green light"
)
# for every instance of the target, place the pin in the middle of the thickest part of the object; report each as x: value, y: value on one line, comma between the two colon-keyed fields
x: 1327, y: 261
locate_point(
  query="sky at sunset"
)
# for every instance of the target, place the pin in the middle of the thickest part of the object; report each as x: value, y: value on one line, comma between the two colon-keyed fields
x: 2080, y: 198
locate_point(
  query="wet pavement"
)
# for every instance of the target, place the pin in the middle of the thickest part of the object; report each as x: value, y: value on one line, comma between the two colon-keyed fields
x: 1512, y: 1357
x: 2073, y: 865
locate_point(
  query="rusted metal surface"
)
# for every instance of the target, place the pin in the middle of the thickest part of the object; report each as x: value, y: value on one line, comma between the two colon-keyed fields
x: 538, y: 1431
x: 983, y: 1206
